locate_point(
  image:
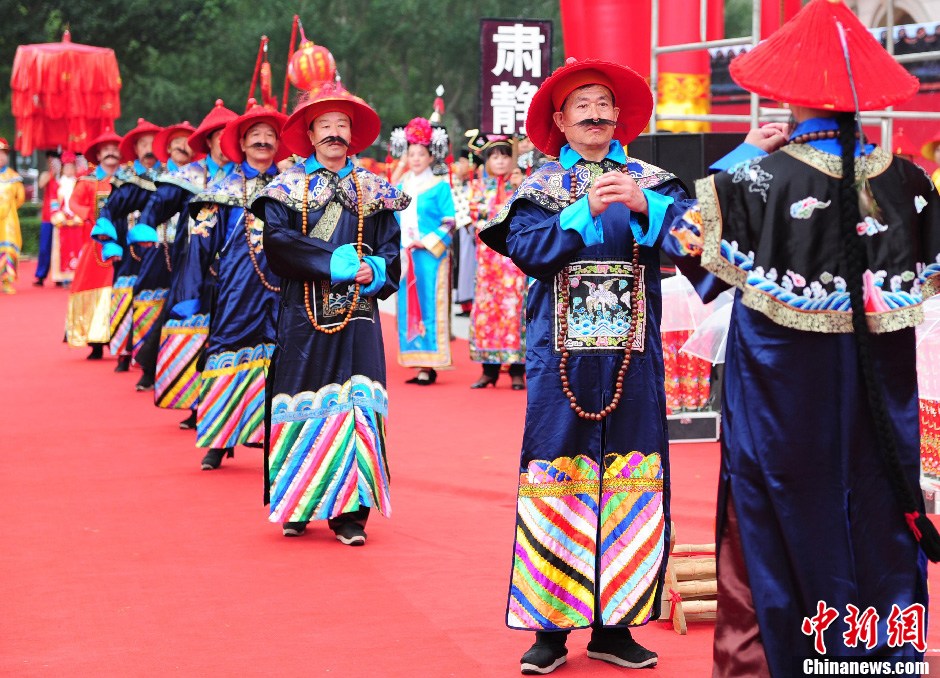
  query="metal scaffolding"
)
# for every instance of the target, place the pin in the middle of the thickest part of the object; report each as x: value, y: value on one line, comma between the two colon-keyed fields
x: 757, y: 113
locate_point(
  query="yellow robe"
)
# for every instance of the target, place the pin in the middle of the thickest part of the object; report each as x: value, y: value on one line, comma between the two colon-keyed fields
x: 12, y: 195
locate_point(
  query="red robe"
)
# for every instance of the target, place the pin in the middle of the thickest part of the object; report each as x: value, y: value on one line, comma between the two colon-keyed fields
x: 91, y: 286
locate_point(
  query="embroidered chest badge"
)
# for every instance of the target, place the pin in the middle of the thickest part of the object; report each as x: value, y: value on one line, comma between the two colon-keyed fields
x: 870, y: 226
x: 803, y: 209
x: 600, y: 306
x: 920, y: 202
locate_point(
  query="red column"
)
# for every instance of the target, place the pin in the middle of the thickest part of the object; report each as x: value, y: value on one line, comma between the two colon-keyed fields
x: 775, y: 13
x: 620, y: 31
x: 612, y: 30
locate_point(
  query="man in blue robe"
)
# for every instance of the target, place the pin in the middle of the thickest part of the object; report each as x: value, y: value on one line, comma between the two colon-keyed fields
x: 229, y: 277
x: 593, y: 504
x: 832, y: 245
x: 331, y: 235
x: 170, y: 357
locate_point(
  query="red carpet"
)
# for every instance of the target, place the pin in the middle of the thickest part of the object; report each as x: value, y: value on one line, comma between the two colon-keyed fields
x: 122, y: 558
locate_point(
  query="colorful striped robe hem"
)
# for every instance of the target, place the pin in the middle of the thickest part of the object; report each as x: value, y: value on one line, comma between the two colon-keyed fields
x: 176, y: 385
x: 557, y: 560
x: 146, y: 309
x: 327, y: 452
x: 122, y: 297
x: 231, y: 398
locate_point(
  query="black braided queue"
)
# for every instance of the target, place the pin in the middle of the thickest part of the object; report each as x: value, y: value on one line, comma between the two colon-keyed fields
x: 855, y: 262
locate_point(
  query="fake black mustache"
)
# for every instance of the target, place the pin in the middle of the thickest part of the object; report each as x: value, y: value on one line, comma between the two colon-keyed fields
x: 149, y: 156
x: 262, y: 146
x: 329, y: 140
x: 111, y: 156
x: 595, y: 122
x: 180, y: 150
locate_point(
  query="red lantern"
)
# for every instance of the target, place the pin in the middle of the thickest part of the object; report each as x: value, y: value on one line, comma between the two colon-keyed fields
x: 310, y: 66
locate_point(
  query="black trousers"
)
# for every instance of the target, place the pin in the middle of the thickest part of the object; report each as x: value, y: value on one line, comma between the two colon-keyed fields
x: 492, y: 370
x: 359, y: 516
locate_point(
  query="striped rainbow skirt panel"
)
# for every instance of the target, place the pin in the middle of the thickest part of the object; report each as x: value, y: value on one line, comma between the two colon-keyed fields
x: 122, y: 297
x: 176, y: 385
x: 231, y: 397
x: 146, y: 309
x: 327, y: 451
x: 557, y: 557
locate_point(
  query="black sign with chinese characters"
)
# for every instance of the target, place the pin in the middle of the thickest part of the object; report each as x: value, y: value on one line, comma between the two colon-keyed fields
x: 516, y: 57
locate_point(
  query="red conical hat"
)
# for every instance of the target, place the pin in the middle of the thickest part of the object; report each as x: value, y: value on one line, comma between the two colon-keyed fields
x: 107, y: 137
x: 803, y: 63
x: 332, y: 98
x: 235, y: 129
x: 217, y: 118
x: 130, y: 139
x: 161, y: 142
x: 631, y: 95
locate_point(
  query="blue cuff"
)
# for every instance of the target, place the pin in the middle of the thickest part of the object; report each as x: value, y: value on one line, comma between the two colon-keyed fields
x: 377, y: 264
x: 344, y: 264
x: 111, y: 250
x: 657, y: 205
x: 104, y: 230
x: 142, y: 233
x: 577, y: 217
x: 742, y: 153
x: 185, y: 309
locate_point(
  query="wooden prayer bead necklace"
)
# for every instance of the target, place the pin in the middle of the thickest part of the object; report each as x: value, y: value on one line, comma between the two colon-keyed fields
x: 816, y: 136
x: 308, y: 285
x: 166, y: 250
x: 133, y: 253
x: 565, y: 295
x: 249, y: 222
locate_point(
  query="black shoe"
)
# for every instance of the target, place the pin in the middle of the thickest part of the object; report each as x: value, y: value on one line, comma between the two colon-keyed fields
x: 145, y: 383
x: 97, y: 352
x: 518, y: 383
x: 293, y: 529
x: 39, y: 282
x: 214, y: 456
x: 621, y: 650
x: 123, y: 364
x: 351, y: 534
x: 425, y: 377
x: 544, y: 657
x: 189, y: 423
x: 485, y: 381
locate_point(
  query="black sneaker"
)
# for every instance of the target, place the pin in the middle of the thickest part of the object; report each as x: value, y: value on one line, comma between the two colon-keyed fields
x: 293, y: 529
x: 351, y: 534
x: 189, y: 423
x: 145, y: 383
x: 543, y: 658
x: 621, y: 650
x: 214, y: 456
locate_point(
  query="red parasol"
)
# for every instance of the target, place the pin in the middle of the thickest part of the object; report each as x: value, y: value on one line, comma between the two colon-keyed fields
x: 64, y: 94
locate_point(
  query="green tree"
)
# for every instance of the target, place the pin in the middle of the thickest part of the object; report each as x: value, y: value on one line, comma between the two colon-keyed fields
x: 177, y: 57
